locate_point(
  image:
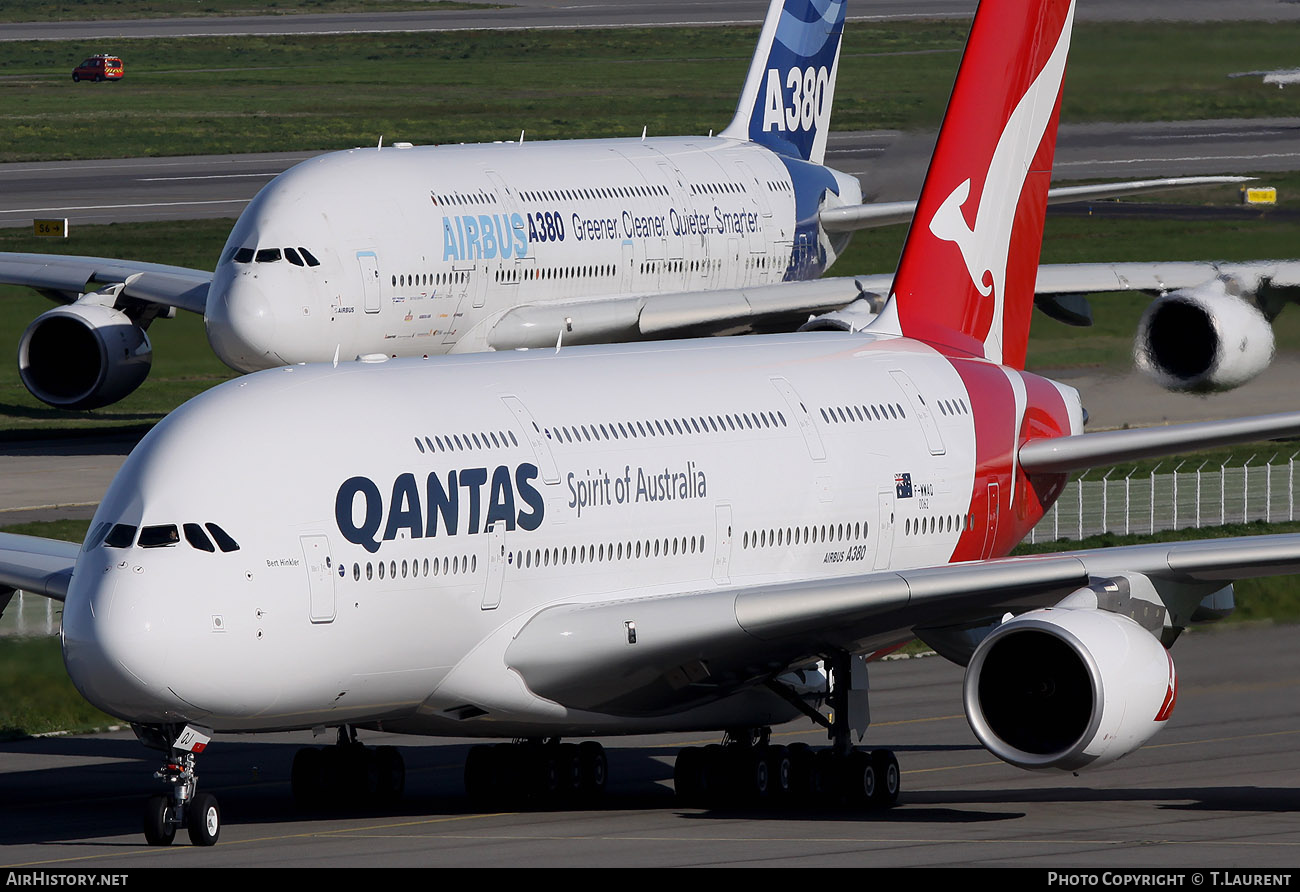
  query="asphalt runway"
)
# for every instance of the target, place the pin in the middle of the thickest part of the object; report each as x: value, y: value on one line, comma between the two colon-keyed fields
x: 613, y: 14
x: 1219, y: 787
x: 891, y: 165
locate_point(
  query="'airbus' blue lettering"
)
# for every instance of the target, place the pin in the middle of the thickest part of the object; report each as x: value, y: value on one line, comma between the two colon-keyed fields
x: 484, y: 237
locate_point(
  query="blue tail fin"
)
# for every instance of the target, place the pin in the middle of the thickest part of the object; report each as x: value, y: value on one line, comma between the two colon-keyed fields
x: 786, y: 102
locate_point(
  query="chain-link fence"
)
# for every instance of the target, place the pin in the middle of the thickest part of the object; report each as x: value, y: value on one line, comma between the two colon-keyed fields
x: 1172, y: 495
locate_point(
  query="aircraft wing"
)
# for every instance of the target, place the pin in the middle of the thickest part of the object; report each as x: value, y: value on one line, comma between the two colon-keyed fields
x: 1157, y: 277
x: 64, y: 278
x: 36, y: 565
x: 788, y: 305
x: 643, y: 654
x: 869, y: 216
x: 648, y: 316
x: 1091, y: 450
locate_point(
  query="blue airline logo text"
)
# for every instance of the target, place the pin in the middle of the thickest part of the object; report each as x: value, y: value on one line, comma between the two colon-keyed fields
x: 489, y: 236
x: 420, y: 511
x: 483, y: 237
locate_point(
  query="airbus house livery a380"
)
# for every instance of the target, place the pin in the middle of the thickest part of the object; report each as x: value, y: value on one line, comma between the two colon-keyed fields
x: 419, y: 250
x: 659, y: 537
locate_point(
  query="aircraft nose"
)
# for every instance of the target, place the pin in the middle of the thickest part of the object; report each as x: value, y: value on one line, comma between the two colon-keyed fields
x: 240, y: 323
x: 116, y: 651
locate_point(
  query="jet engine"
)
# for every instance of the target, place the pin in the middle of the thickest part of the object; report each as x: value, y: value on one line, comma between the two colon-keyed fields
x: 83, y: 356
x: 1203, y: 339
x: 1068, y: 688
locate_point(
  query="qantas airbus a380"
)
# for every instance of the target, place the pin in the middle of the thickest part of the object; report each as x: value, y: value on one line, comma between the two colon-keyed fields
x: 658, y: 537
x: 420, y: 250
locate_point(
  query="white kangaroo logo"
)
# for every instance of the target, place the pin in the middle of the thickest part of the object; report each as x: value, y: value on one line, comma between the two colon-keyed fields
x: 985, y: 246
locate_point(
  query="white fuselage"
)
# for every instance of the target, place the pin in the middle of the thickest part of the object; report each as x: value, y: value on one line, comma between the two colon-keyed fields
x: 368, y: 588
x: 414, y: 251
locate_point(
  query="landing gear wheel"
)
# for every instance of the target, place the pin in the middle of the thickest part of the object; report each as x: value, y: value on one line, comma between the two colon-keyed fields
x: 753, y: 776
x: 158, y: 828
x: 779, y: 769
x: 203, y: 820
x: 594, y: 767
x: 862, y: 779
x: 888, y: 777
x: 803, y: 770
x: 542, y: 775
x: 570, y: 767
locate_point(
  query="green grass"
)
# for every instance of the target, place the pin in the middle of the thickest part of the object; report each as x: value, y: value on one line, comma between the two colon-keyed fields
x: 230, y: 94
x: 92, y: 10
x: 39, y: 696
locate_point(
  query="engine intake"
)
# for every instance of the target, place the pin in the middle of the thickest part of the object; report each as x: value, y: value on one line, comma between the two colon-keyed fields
x: 1203, y: 339
x: 83, y: 356
x: 1068, y: 688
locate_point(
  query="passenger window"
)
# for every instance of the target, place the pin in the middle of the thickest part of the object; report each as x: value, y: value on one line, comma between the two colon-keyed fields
x: 195, y: 536
x: 224, y: 542
x: 120, y: 536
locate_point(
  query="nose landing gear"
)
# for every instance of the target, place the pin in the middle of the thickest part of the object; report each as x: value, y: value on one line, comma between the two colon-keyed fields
x: 183, y: 806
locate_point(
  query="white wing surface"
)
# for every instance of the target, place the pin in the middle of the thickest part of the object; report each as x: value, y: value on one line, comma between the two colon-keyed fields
x: 67, y: 277
x: 36, y: 565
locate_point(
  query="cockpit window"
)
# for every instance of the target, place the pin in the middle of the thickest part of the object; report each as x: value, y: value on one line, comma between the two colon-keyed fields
x: 307, y: 256
x: 268, y: 255
x: 195, y: 536
x: 120, y: 536
x: 97, y: 535
x: 244, y: 255
x: 292, y: 256
x: 224, y: 542
x: 159, y: 536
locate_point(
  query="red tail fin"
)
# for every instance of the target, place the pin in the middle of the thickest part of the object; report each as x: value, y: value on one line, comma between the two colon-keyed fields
x: 966, y: 277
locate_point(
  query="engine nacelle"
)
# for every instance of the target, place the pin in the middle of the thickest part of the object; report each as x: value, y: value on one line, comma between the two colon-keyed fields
x: 1203, y: 339
x: 1068, y: 688
x: 83, y: 356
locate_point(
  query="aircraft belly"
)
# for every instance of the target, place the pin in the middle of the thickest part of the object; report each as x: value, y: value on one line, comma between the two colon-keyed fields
x: 749, y: 708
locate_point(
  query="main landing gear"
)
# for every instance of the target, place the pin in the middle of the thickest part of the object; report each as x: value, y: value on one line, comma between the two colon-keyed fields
x: 182, y: 805
x: 540, y: 772
x: 747, y: 770
x: 347, y: 774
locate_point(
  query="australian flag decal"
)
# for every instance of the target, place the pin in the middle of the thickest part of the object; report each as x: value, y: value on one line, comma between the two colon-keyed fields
x: 903, y: 484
